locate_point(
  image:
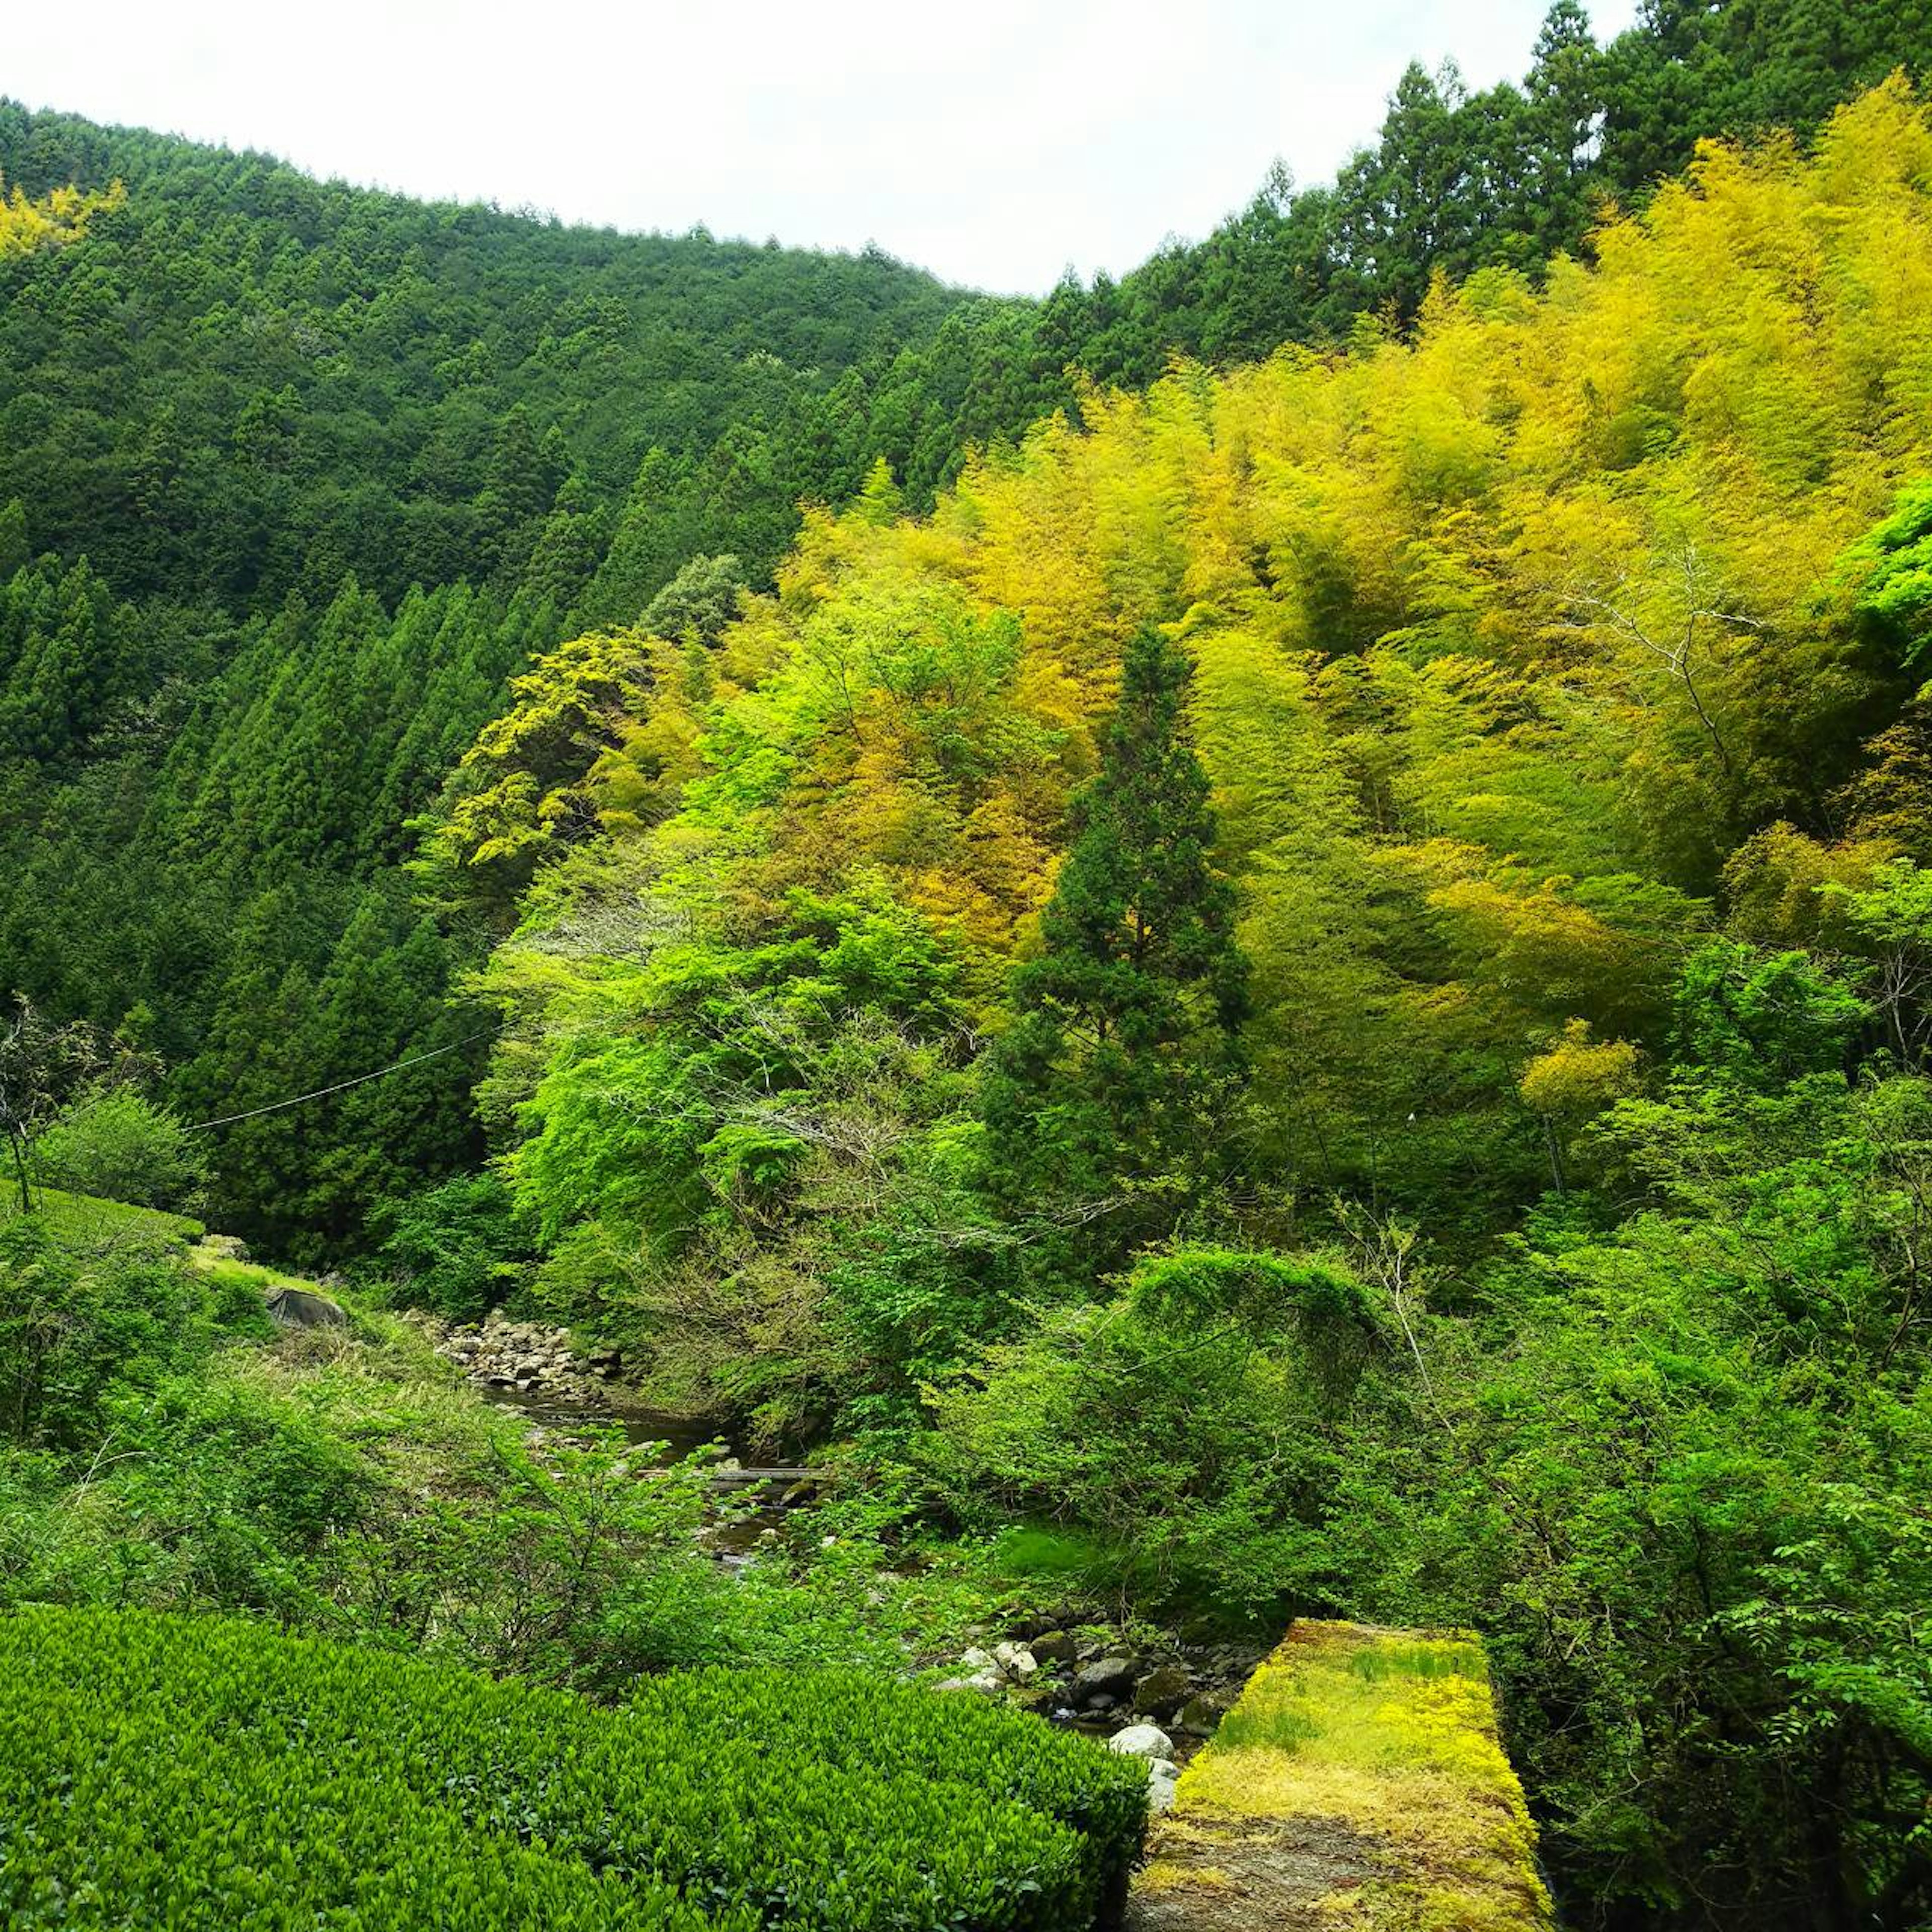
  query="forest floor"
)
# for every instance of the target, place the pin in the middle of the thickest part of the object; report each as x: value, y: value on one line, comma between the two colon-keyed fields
x: 1357, y: 1784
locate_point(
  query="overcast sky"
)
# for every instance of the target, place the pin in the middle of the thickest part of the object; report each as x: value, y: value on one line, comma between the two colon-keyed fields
x: 995, y: 142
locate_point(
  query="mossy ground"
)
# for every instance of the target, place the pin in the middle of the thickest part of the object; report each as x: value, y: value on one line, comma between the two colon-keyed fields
x: 1357, y: 1786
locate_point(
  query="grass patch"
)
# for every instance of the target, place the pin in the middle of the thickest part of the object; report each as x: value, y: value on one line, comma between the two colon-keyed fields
x: 1389, y: 1738
x: 1259, y: 1725
x: 88, y: 1220
x: 1429, y: 1657
x: 225, y: 1271
x: 1027, y: 1551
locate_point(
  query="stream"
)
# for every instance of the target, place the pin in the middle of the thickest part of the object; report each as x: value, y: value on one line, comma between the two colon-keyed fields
x: 679, y: 1434
x: 739, y: 1518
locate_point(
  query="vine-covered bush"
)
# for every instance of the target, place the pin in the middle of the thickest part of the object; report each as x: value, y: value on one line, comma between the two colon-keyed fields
x: 210, y: 1773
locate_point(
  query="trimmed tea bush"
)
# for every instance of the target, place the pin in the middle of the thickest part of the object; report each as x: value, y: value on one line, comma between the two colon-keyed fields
x: 859, y: 1722
x: 207, y: 1773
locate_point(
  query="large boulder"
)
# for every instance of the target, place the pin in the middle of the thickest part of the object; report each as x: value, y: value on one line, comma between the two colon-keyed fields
x: 1015, y: 1660
x: 1161, y: 1692
x: 1147, y: 1740
x: 1109, y: 1677
x: 1201, y: 1713
x: 301, y: 1308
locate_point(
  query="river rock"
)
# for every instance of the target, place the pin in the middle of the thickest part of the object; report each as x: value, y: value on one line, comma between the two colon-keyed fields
x: 1053, y: 1646
x: 987, y: 1683
x: 1161, y: 1692
x: 1147, y: 1740
x: 1200, y: 1715
x: 1016, y: 1660
x: 976, y: 1659
x: 1109, y: 1677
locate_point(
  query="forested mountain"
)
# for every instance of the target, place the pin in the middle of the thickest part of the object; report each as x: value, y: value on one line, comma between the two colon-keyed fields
x: 1262, y: 932
x: 299, y: 474
x: 250, y: 383
x: 1326, y: 980
x: 302, y: 473
x: 1456, y: 180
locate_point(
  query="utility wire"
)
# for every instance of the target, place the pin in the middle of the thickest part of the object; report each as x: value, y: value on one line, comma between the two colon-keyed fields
x: 276, y: 1106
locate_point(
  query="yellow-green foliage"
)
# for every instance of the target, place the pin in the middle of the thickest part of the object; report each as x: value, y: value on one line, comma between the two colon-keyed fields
x: 1387, y: 1739
x: 1505, y: 638
x: 1579, y: 1076
x: 62, y: 218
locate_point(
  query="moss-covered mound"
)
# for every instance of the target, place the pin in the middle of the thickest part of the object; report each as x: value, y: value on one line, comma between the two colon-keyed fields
x: 1358, y: 1787
x: 213, y: 1774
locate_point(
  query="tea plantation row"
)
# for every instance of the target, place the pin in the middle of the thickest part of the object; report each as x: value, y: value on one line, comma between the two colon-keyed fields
x: 210, y: 1773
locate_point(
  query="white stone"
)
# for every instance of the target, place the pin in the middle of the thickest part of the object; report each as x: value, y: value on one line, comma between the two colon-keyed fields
x: 1016, y: 1660
x: 976, y: 1659
x: 988, y: 1683
x: 1141, y: 1741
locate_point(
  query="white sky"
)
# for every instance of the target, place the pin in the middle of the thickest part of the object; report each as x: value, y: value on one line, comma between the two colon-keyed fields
x: 995, y: 143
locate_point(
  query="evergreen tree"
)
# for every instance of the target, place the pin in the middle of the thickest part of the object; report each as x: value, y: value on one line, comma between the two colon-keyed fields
x: 1100, y: 1101
x: 15, y: 549
x: 699, y: 603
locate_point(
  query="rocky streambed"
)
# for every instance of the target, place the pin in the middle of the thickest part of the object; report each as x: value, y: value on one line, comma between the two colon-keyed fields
x: 526, y: 1358
x: 1160, y: 1702
x: 1156, y: 1698
x: 537, y: 1371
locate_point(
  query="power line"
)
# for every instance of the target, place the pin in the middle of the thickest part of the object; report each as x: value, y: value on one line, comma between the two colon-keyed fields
x: 276, y: 1106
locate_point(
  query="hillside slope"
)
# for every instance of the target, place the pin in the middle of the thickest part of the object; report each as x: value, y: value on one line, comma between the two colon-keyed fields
x: 243, y: 414
x: 1326, y: 986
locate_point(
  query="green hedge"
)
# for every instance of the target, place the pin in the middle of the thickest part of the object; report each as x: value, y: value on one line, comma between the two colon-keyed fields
x: 857, y: 1722
x: 207, y: 1773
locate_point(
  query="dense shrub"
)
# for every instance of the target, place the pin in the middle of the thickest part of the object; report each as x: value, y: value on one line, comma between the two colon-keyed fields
x: 210, y: 1773
x: 118, y: 1144
x: 75, y: 1323
x: 1197, y: 1462
x: 456, y: 1249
